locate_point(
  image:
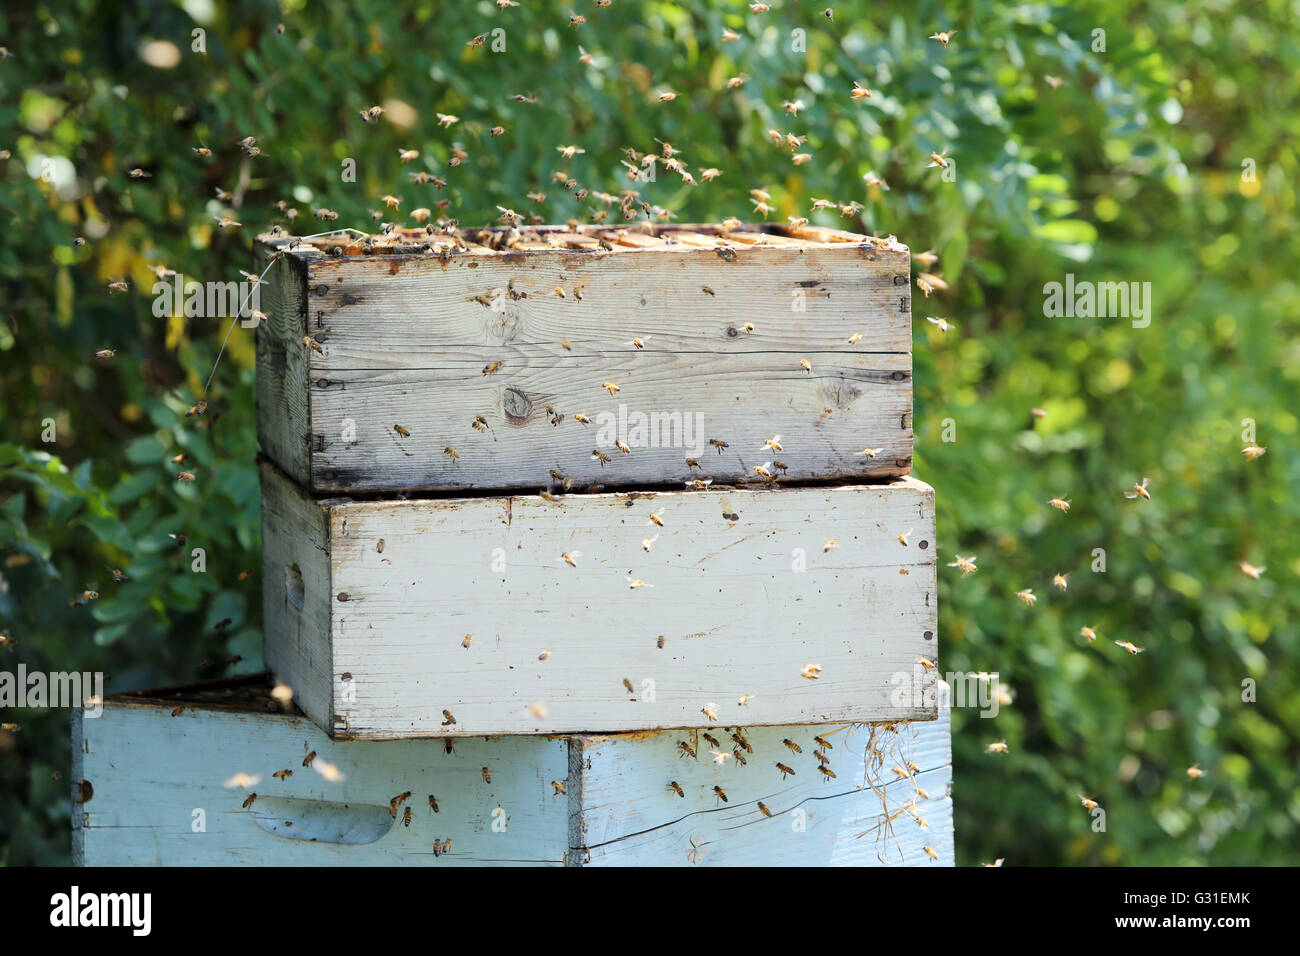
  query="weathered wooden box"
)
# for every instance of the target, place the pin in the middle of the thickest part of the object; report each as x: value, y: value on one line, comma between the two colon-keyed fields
x: 149, y: 787
x: 422, y: 363
x: 600, y: 612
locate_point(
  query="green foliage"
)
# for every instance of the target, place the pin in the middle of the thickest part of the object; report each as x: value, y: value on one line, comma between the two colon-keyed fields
x: 1130, y: 170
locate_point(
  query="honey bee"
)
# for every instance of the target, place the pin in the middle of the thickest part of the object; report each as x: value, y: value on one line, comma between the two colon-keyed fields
x: 11, y: 728
x: 967, y: 565
x: 806, y: 366
x: 539, y: 710
x: 1089, y: 633
x: 1059, y: 581
x: 647, y: 543
x: 119, y: 285
x: 710, y: 711
x: 371, y: 114
x: 282, y: 774
x: 943, y: 36
x: 943, y: 324
x: 1060, y: 504
x: 686, y: 750
x: 448, y: 746
x: 1131, y: 648
x: 395, y: 804
x: 785, y: 771
x: 466, y: 642
x: 698, y: 484
x: 248, y: 801
x: 657, y: 518
x: 524, y: 97
x: 544, y: 655
x: 667, y: 96
x: 570, y: 558
x: 739, y: 737
x: 7, y: 641
x: 790, y: 744
x: 692, y: 463
x: 600, y: 456
x: 627, y: 685
x: 577, y: 20
x: 926, y: 663
x: 610, y: 387
x: 729, y: 36
x: 1140, y: 490
x: 226, y: 222
x: 1253, y: 451
x: 579, y: 417
x: 185, y: 476
x: 811, y: 671
x: 635, y: 583
x: 309, y: 343
x: 676, y: 788
x: 1194, y: 772
x: 487, y: 775
x: 1000, y: 747
x: 433, y: 804
x: 660, y: 642
x: 1088, y: 802
x: 1250, y: 570
x: 622, y: 446
x: 448, y: 719
x: 763, y: 470
x: 1027, y: 596
x: 720, y: 794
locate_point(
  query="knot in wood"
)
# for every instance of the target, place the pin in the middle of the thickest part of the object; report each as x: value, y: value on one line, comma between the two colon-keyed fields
x: 517, y: 406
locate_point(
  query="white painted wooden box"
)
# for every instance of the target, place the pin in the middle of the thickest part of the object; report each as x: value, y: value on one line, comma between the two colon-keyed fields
x: 600, y: 612
x: 150, y: 775
x: 419, y: 362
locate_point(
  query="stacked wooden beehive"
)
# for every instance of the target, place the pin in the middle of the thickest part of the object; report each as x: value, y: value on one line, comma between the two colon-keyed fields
x: 622, y: 516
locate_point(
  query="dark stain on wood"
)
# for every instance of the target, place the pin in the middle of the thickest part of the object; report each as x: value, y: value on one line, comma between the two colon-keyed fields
x: 85, y: 791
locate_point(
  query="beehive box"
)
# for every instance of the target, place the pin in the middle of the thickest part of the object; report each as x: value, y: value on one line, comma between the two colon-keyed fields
x: 419, y: 363
x: 149, y: 775
x: 416, y: 618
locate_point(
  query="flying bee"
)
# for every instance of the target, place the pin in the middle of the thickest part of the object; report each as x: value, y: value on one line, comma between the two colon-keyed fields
x: 487, y: 775
x: 622, y: 446
x: 395, y: 804
x: 686, y: 749
x: 634, y: 584
x: 943, y: 324
x: 710, y: 711
x: 585, y: 58
x: 627, y: 686
x: 806, y: 366
x: 570, y: 558
x: 943, y: 36
x: 1060, y: 504
x: 309, y: 343
x: 524, y: 97
x: 647, y: 543
x: 676, y: 788
x: 692, y: 463
x: 719, y: 444
x: 660, y: 642
x: 785, y: 771
x: 926, y: 663
x: 479, y: 424
x: 577, y: 20
x: 967, y: 565
x: 451, y: 453
x: 902, y: 538
x: 1140, y: 490
x: 729, y: 36
x: 790, y: 744
x: 811, y: 671
x: 491, y: 367
x: 763, y: 470
x: 1194, y: 772
x: 447, y: 718
x: 610, y: 387
x: 667, y: 96
x: 720, y: 794
x: 1130, y: 647
x: 656, y: 518
x: 999, y: 747
x: 871, y: 453
x: 1089, y: 633
x: 1253, y: 451
x: 711, y: 740
x: 1059, y: 581
x: 698, y: 484
x: 433, y: 804
x: 248, y: 801
x: 185, y: 476
x: 104, y: 355
x: 1250, y: 570
x: 600, y: 456
x: 762, y: 807
x: 371, y: 114
x: 1088, y: 802
x: 448, y: 746
x: 467, y: 641
x: 401, y: 431
x: 583, y: 419
x: 119, y: 285
x: 742, y: 701
x: 824, y: 743
x: 826, y: 771
x: 1027, y: 596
